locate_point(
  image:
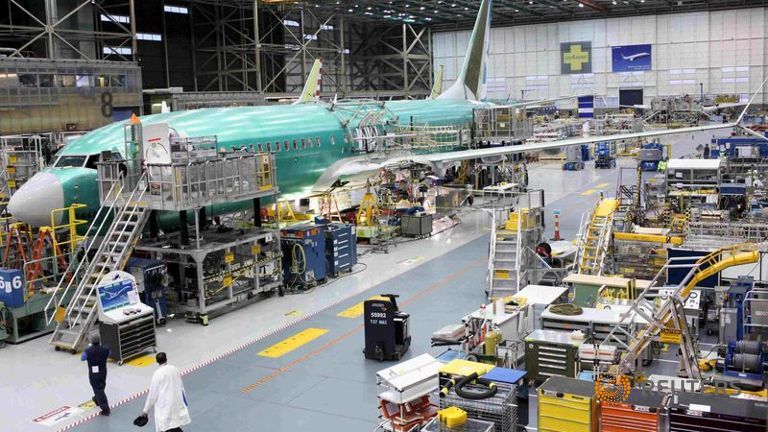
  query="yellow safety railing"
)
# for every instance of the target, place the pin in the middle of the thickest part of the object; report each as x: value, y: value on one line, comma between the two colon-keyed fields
x: 70, y: 222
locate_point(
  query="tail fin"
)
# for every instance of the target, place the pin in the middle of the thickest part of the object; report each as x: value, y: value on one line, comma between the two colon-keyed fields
x: 474, y: 73
x: 311, y: 91
x: 437, y: 88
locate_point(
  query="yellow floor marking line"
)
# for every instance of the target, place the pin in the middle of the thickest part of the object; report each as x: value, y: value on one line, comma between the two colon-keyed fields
x: 292, y: 343
x: 293, y: 313
x: 143, y: 361
x: 354, y: 311
x: 588, y: 192
x: 602, y: 185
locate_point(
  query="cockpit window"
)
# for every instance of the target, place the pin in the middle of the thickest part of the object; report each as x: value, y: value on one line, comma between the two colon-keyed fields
x: 70, y: 162
x: 92, y: 161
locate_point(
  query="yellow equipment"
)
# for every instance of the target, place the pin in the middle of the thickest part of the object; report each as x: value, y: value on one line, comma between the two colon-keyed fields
x: 452, y: 417
x: 369, y: 210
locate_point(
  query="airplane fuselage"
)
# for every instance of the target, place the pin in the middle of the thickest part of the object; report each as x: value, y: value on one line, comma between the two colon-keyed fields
x: 306, y: 140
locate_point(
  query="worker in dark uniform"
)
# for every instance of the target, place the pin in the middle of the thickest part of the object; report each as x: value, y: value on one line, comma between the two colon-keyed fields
x: 96, y: 356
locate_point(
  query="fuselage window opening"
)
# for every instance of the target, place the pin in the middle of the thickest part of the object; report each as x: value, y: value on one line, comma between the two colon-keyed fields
x: 304, y: 143
x: 269, y: 147
x: 287, y: 145
x: 317, y: 140
x: 310, y: 144
x: 70, y: 162
x: 261, y: 149
x: 333, y: 140
x: 295, y: 145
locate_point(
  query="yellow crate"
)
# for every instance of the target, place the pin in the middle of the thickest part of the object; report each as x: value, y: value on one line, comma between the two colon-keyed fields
x: 229, y: 258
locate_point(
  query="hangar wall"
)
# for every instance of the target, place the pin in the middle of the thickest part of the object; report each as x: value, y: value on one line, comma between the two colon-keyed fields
x: 724, y: 50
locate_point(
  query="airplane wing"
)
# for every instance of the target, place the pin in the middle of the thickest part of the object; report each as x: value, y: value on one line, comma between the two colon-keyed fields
x: 524, y: 148
x: 351, y: 167
x: 723, y: 106
x: 542, y: 102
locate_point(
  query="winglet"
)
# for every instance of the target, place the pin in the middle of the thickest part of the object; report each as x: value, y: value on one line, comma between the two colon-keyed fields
x: 311, y: 91
x: 474, y: 74
x: 752, y: 99
x: 437, y: 88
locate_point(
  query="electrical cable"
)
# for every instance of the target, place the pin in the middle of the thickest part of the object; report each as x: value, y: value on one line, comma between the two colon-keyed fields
x: 568, y: 309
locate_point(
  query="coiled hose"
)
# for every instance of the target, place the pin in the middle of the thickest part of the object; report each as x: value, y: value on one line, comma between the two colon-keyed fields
x: 491, y: 388
x: 569, y: 309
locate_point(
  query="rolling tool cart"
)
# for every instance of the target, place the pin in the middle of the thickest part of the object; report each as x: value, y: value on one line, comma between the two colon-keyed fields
x: 549, y: 353
x: 640, y: 412
x: 696, y: 412
x: 340, y: 248
x: 567, y: 405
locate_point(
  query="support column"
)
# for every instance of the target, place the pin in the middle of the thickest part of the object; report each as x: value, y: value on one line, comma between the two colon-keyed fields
x: 257, y: 212
x: 184, y: 228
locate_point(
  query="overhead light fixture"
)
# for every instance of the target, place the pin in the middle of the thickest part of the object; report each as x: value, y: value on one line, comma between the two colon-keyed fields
x: 581, y: 4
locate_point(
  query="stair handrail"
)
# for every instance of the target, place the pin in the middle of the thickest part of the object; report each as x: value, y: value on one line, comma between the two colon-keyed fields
x: 140, y: 185
x: 85, y: 245
x: 491, y: 255
x: 580, y: 239
x: 518, y: 247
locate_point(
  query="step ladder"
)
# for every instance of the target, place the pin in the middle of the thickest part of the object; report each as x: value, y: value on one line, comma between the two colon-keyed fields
x: 504, y: 260
x: 17, y: 246
x: 595, y: 237
x: 665, y: 313
x: 128, y: 216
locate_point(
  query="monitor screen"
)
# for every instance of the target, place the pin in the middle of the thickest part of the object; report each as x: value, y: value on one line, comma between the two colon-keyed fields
x: 116, y: 294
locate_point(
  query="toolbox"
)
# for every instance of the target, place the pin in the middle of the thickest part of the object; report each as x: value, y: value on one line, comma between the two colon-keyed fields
x: 640, y: 412
x: 340, y: 248
x: 549, y: 353
x: 696, y: 412
x: 567, y: 405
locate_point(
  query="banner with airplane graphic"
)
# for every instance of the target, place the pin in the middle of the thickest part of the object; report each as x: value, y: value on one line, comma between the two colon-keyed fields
x: 575, y: 58
x: 631, y: 58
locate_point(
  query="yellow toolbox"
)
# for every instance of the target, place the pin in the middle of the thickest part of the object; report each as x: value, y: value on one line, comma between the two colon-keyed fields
x: 567, y: 405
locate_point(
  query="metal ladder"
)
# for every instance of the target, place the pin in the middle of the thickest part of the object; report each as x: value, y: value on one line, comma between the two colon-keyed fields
x: 74, y: 322
x: 595, y: 237
x: 504, y: 260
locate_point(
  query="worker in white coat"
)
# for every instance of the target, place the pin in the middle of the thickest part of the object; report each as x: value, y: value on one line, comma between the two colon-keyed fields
x: 166, y: 396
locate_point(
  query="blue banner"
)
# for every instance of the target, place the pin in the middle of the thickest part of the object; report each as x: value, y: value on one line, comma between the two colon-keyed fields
x: 586, y: 106
x: 631, y: 58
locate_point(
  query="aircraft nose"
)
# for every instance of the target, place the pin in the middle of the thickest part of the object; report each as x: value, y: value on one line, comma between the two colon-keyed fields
x: 35, y: 199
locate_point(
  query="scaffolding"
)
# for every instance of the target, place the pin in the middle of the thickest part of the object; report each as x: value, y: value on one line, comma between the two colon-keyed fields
x: 501, y: 124
x: 361, y: 58
x: 21, y: 157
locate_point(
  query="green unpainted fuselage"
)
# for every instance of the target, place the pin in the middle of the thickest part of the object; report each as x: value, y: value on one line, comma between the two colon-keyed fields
x: 281, y: 129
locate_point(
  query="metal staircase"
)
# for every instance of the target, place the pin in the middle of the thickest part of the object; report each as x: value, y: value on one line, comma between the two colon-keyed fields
x: 665, y: 314
x: 128, y: 216
x: 595, y: 237
x: 503, y: 260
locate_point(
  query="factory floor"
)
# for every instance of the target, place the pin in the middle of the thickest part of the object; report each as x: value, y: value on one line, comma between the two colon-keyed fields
x: 324, y: 384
